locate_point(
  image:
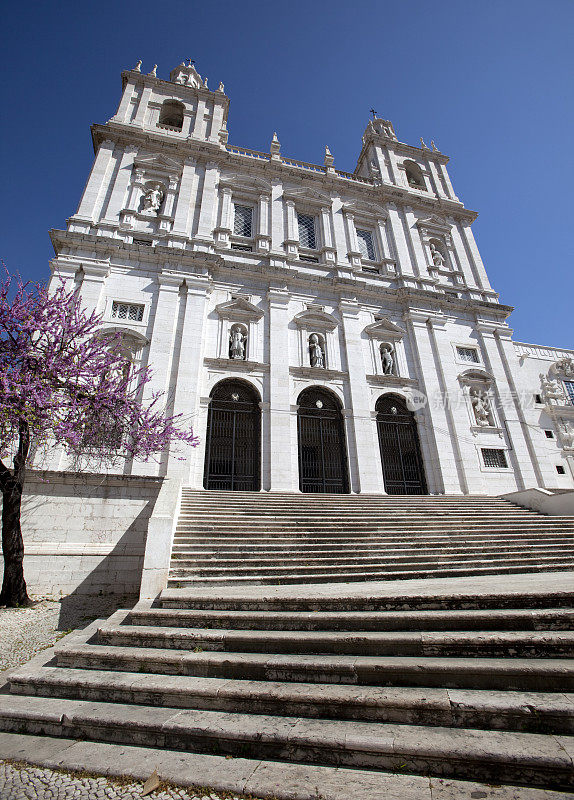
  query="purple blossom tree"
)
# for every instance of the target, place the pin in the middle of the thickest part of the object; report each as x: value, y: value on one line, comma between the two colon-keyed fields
x: 65, y: 382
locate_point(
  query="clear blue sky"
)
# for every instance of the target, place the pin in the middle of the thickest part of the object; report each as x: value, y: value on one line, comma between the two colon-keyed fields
x: 489, y: 81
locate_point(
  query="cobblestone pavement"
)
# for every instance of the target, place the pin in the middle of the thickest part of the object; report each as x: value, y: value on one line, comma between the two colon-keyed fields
x: 26, y: 631
x: 24, y: 782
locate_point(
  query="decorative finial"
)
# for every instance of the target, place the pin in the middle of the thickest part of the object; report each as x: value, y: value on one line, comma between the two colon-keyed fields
x: 138, y: 66
x: 221, y: 87
x: 275, y: 148
x: 374, y: 113
x: 434, y: 147
x: 423, y: 145
x: 191, y: 62
x: 329, y: 160
x: 153, y: 73
x: 205, y: 82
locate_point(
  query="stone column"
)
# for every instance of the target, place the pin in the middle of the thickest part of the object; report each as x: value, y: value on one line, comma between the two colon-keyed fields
x: 120, y: 188
x: 125, y: 103
x: 95, y: 181
x: 279, y: 439
x: 182, y: 220
x: 142, y: 106
x: 442, y: 461
x: 208, y: 197
x: 368, y: 474
x: 187, y: 386
x: 199, y: 124
x: 401, y: 247
x: 498, y: 350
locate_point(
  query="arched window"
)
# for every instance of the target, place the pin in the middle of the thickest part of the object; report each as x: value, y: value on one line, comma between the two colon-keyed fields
x: 414, y: 175
x: 171, y: 114
x: 317, y: 356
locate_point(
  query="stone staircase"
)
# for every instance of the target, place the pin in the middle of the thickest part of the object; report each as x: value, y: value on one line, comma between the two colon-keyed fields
x: 373, y: 688
x: 254, y: 538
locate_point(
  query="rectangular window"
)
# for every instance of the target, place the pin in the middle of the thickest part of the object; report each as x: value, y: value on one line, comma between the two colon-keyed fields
x: 366, y: 246
x: 570, y: 390
x: 549, y: 434
x: 560, y: 469
x: 129, y: 311
x: 243, y: 220
x: 468, y: 354
x: 307, y: 236
x: 494, y: 458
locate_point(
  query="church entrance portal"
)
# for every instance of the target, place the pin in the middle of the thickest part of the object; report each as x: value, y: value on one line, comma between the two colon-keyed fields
x: 399, y: 445
x: 322, y: 452
x: 232, y: 459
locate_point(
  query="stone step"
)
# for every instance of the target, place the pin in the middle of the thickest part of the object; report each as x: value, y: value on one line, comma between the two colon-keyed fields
x: 545, y: 619
x: 526, y: 758
x: 283, y: 542
x: 200, y: 561
x: 518, y: 674
x: 339, y: 600
x: 253, y: 777
x: 523, y: 644
x: 518, y: 711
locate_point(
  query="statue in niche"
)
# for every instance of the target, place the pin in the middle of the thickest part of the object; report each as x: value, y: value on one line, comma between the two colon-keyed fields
x: 237, y: 341
x: 552, y: 391
x: 481, y: 408
x: 316, y: 352
x: 436, y: 255
x: 152, y: 199
x: 387, y: 360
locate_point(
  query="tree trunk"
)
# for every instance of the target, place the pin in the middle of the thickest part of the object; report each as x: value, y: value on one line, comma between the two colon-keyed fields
x: 13, y: 586
x: 14, y: 591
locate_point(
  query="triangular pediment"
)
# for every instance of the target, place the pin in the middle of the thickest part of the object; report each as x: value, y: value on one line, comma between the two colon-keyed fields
x: 160, y: 163
x: 240, y: 308
x: 314, y: 319
x: 384, y: 329
x: 475, y: 374
x: 434, y: 223
x: 357, y: 207
x: 245, y: 183
x: 306, y: 195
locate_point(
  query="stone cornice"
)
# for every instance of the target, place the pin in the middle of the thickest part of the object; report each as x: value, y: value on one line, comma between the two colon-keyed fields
x: 182, y: 89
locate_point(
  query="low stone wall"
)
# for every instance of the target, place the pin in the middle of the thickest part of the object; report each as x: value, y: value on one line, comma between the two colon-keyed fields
x: 85, y: 533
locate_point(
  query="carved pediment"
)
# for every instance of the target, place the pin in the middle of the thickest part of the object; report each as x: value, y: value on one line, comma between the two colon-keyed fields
x: 245, y: 183
x: 159, y: 163
x: 434, y: 226
x: 305, y: 195
x: 371, y: 209
x: 239, y: 309
x: 384, y: 329
x: 316, y: 320
x: 475, y: 375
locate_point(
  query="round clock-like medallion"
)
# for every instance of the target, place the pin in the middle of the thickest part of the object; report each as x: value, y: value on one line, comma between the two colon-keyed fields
x: 319, y: 403
x: 235, y: 396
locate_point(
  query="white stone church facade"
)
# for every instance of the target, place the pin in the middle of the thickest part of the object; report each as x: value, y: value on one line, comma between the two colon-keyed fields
x: 321, y: 330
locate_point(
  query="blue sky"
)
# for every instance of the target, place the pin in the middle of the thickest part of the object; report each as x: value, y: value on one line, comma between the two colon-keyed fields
x: 490, y: 82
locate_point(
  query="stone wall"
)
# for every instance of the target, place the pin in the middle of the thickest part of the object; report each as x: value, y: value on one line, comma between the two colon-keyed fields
x: 86, y: 533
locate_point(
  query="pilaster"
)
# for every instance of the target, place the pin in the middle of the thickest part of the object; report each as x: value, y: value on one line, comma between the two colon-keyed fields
x: 94, y: 278
x: 183, y: 207
x: 263, y: 238
x: 280, y: 443
x: 207, y: 209
x: 95, y: 182
x: 401, y: 247
x: 120, y: 188
x: 142, y: 106
x: 366, y: 471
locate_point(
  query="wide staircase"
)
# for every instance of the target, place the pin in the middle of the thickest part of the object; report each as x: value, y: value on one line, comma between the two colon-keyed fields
x: 234, y: 538
x: 428, y: 689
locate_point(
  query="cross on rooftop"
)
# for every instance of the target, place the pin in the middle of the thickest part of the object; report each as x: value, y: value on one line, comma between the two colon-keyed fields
x: 374, y: 113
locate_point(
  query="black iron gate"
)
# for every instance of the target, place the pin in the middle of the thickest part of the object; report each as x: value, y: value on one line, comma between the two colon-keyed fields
x: 322, y: 453
x: 399, y: 445
x: 233, y: 432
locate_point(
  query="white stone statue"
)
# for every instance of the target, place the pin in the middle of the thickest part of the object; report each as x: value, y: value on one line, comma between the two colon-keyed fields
x: 436, y: 255
x: 153, y: 199
x: 566, y: 367
x: 552, y: 391
x: 481, y: 409
x: 567, y: 433
x: 316, y: 351
x: 387, y: 360
x: 237, y: 344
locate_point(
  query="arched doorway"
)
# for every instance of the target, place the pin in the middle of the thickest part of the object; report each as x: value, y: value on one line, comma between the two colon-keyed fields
x: 322, y: 452
x: 232, y: 451
x: 399, y: 445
